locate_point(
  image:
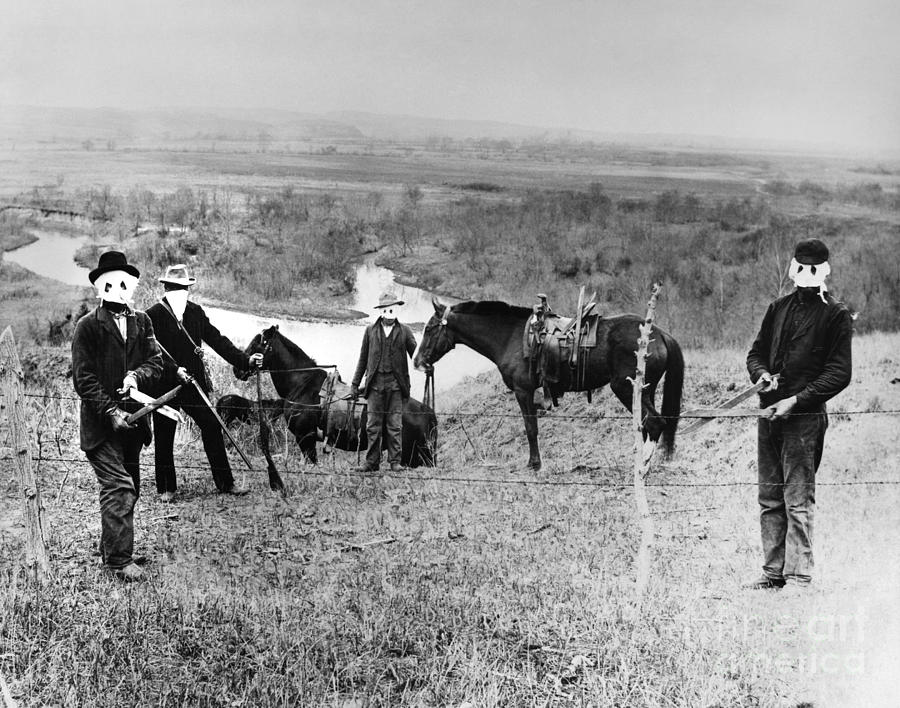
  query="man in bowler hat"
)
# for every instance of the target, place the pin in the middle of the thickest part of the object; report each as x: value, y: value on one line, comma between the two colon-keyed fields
x: 803, y: 352
x: 114, y: 350
x: 383, y: 357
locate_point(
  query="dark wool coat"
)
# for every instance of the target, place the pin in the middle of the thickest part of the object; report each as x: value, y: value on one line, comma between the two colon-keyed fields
x: 397, y: 347
x: 816, y: 357
x: 101, y: 359
x: 177, y: 344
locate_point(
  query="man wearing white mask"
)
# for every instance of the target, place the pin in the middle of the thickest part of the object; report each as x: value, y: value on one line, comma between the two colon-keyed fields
x: 386, y: 346
x: 114, y: 351
x: 182, y: 327
x: 803, y: 352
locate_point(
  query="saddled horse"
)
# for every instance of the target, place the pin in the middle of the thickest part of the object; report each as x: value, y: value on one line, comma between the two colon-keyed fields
x: 496, y: 330
x: 312, y: 413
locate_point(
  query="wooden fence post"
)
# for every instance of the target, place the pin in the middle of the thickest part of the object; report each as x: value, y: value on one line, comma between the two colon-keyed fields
x: 36, y: 557
x: 642, y: 451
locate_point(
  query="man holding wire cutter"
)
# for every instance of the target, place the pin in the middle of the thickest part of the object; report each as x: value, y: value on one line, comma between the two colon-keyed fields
x: 803, y: 352
x: 181, y: 328
x: 114, y: 352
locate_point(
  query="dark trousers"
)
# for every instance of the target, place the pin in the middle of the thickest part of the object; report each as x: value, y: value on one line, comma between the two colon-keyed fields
x: 210, y: 433
x: 116, y: 464
x: 384, y: 418
x: 790, y: 451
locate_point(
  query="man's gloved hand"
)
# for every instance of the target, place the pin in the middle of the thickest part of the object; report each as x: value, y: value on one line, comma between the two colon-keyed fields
x: 256, y: 361
x: 428, y: 368
x: 119, y: 420
x: 772, y: 381
x: 128, y: 383
x: 354, y: 391
x: 182, y: 374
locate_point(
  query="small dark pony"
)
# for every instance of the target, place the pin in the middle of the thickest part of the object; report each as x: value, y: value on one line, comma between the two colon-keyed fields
x: 312, y: 414
x: 297, y: 379
x: 496, y: 330
x: 232, y: 407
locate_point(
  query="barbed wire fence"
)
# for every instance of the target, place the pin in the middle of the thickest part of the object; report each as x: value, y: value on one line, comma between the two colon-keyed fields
x: 37, y: 556
x: 451, y: 417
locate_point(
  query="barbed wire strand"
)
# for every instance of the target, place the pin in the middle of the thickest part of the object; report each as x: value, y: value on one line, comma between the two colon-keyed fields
x: 405, y: 476
x: 545, y: 415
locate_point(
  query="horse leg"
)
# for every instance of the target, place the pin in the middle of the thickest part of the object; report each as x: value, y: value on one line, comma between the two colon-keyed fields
x: 650, y: 421
x: 529, y: 414
x: 306, y: 436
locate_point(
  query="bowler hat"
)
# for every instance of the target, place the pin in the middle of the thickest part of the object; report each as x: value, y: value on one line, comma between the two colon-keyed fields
x: 387, y: 299
x: 112, y: 260
x: 177, y: 275
x: 811, y: 251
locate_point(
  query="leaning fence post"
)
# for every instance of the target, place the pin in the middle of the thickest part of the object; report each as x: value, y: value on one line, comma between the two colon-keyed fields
x: 36, y: 557
x: 643, y: 451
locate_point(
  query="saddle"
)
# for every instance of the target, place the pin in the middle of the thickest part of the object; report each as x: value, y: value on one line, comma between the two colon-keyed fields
x: 558, y: 346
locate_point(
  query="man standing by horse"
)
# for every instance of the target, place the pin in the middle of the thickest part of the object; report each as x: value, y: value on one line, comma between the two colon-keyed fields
x: 386, y: 346
x: 803, y: 352
x: 113, y: 352
x: 181, y: 328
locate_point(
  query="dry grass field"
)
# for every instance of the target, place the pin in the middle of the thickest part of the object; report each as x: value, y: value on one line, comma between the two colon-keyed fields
x: 477, y: 583
x: 497, y: 586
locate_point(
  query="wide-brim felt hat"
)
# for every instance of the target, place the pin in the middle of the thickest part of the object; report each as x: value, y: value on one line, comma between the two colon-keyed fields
x: 177, y: 275
x: 388, y: 299
x: 811, y: 251
x: 110, y: 261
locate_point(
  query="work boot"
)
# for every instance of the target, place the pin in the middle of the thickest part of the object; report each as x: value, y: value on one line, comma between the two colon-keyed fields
x: 167, y: 497
x: 365, y: 469
x: 236, y: 490
x: 764, y: 582
x: 130, y: 573
x: 396, y: 467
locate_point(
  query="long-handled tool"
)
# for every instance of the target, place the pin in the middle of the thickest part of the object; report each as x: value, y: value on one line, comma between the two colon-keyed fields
x: 275, y: 481
x: 191, y: 380
x: 719, y: 411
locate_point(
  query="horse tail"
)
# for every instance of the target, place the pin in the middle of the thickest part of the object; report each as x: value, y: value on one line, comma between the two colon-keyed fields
x: 672, y: 389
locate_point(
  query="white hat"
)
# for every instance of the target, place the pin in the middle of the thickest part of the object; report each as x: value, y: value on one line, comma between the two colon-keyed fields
x: 177, y: 275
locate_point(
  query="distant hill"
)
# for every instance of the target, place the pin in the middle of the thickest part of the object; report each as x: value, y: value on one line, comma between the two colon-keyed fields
x: 164, y: 125
x: 32, y: 123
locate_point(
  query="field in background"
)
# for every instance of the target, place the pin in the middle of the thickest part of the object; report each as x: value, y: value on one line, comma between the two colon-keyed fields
x: 280, y: 231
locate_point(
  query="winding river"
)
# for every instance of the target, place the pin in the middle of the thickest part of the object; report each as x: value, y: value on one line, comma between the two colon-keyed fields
x: 52, y: 256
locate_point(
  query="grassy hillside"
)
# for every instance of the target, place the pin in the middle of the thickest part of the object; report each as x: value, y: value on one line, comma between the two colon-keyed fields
x: 499, y: 587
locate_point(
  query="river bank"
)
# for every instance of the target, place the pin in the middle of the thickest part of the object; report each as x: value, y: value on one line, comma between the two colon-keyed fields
x: 329, y: 327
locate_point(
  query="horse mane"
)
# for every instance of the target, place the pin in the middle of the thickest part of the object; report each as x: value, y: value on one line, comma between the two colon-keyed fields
x: 295, y: 350
x: 489, y: 308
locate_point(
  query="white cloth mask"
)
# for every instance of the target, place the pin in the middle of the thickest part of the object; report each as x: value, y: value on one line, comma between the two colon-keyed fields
x: 388, y: 315
x: 177, y: 300
x: 116, y: 286
x: 809, y: 276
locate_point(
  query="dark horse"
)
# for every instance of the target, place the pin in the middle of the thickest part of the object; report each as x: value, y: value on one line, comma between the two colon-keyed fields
x: 308, y: 410
x: 496, y: 330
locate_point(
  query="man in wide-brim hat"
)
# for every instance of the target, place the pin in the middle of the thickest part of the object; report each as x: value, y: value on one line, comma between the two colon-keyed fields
x: 114, y: 350
x: 182, y: 328
x: 803, y: 352
x: 386, y: 346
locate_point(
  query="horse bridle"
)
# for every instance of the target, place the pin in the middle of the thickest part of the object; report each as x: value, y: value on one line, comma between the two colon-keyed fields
x: 267, y: 345
x: 442, y: 324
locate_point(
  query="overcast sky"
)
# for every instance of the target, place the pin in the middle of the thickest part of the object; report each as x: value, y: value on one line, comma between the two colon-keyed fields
x: 814, y: 70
